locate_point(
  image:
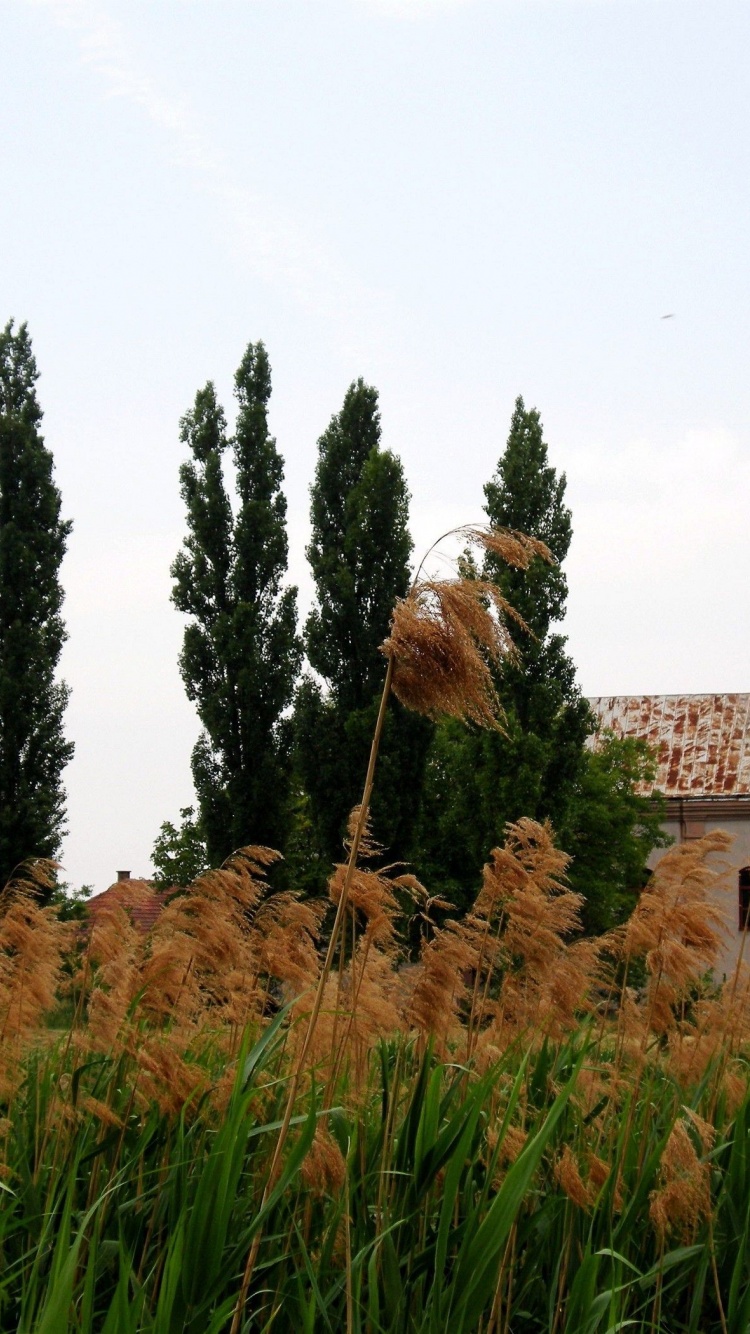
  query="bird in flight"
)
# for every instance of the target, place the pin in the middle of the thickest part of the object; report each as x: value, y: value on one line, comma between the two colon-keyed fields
x: 668, y: 317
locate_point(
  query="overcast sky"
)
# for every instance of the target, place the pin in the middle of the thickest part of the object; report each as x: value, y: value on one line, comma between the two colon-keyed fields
x: 460, y: 202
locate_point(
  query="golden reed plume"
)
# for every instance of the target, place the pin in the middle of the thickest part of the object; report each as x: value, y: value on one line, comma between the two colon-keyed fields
x: 447, y: 635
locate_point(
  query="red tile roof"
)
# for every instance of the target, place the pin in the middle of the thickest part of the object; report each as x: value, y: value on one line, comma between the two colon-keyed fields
x: 141, y: 901
x: 702, y: 741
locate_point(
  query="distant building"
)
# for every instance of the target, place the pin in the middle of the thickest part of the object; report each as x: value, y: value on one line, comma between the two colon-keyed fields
x: 138, y: 897
x: 702, y: 744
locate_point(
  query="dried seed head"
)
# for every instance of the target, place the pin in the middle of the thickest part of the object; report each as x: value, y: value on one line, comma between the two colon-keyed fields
x: 684, y: 1197
x: 514, y: 1140
x: 513, y: 548
x: 568, y: 1176
x: 324, y: 1170
x: 447, y: 635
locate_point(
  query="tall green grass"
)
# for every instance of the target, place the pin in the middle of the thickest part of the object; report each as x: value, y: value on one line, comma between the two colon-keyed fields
x: 418, y: 1222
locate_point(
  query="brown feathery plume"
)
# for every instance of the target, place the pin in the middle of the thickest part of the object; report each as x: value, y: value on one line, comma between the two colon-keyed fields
x: 599, y: 1173
x: 684, y: 1196
x: 172, y: 992
x: 500, y: 1153
x: 378, y: 1000
x: 348, y: 1026
x: 718, y: 1027
x: 598, y: 1170
x: 375, y: 1001
x: 676, y: 926
x: 590, y: 1088
x: 112, y: 967
x: 33, y: 945
x: 31, y: 877
x: 444, y: 640
x: 161, y: 997
x: 632, y: 1027
x: 734, y: 1086
x: 101, y: 1111
x: 202, y: 962
x: 319, y: 1044
x: 501, y: 877
x: 424, y: 904
x: 371, y: 895
x: 441, y: 982
x: 544, y: 980
x: 568, y: 1176
x: 513, y: 548
x: 324, y: 1170
x: 513, y: 1142
x: 447, y: 634
x: 284, y: 937
x: 567, y: 990
x: 166, y: 1077
x: 371, y: 907
x: 368, y: 847
x: 540, y: 911
x: 706, y: 1131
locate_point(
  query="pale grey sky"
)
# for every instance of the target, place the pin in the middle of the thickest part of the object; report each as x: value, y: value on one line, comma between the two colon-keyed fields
x: 459, y: 201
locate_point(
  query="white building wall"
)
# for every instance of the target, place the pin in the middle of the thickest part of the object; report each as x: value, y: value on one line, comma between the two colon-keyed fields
x: 726, y: 895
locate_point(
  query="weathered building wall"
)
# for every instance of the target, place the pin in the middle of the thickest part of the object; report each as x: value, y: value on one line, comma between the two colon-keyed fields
x: 726, y: 897
x: 702, y: 744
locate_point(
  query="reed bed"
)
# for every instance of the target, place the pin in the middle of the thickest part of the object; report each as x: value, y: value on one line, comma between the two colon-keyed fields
x: 270, y: 1114
x: 502, y: 1134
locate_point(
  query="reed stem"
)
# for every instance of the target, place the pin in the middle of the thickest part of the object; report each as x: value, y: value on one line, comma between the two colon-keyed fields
x: 318, y: 1001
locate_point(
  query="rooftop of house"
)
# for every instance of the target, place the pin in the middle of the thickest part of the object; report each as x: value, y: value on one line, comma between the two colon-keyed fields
x: 141, y: 900
x: 702, y: 741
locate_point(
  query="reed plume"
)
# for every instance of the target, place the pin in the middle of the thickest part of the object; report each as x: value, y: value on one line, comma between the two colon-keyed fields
x: 111, y: 973
x: 33, y: 947
x: 675, y: 926
x: 541, y: 979
x: 447, y: 636
x: 442, y: 984
x: 203, y: 959
x: 683, y: 1197
x: 568, y: 1175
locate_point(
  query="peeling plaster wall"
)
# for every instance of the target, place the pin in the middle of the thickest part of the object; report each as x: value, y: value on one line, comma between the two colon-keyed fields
x: 726, y: 896
x: 702, y: 744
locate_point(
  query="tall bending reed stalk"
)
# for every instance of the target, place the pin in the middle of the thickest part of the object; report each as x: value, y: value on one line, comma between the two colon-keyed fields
x: 435, y: 660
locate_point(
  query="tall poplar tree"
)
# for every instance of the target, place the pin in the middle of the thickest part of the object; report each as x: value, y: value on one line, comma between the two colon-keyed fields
x: 359, y: 554
x: 477, y: 781
x: 241, y: 653
x: 33, y: 538
x: 539, y: 765
x: 548, y: 721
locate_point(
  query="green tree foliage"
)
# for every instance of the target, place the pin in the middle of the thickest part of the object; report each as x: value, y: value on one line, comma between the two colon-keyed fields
x: 71, y: 904
x: 33, y: 538
x: 359, y: 554
x: 241, y: 653
x: 179, y: 854
x: 614, y: 823
x: 539, y: 765
x: 548, y: 720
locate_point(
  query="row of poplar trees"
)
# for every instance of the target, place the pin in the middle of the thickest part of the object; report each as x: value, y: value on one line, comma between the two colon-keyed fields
x: 287, y: 717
